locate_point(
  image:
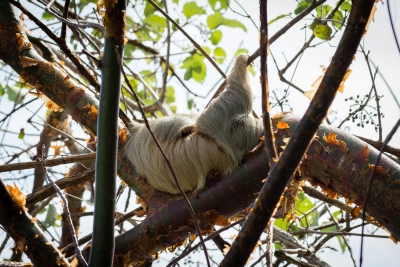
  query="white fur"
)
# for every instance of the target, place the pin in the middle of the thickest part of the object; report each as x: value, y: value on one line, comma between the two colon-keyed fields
x: 214, y: 141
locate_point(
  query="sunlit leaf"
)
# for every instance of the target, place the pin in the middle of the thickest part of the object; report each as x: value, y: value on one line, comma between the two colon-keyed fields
x: 16, y: 94
x: 155, y: 21
x: 216, y: 37
x: 339, y: 17
x: 216, y: 20
x: 47, y: 16
x: 191, y: 8
x: 51, y: 216
x: 170, y: 95
x: 278, y: 18
x: 313, y: 24
x: 206, y: 49
x: 241, y: 51
x: 190, y: 104
x: 323, y: 32
x: 345, y: 6
x: 219, y: 54
x: 21, y: 134
x: 1, y: 90
x: 301, y: 7
x: 251, y: 69
x: 342, y: 243
x: 219, y: 5
x: 195, y: 68
x: 323, y: 11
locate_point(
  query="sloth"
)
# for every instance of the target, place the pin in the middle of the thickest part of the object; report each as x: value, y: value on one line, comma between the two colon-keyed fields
x: 216, y: 140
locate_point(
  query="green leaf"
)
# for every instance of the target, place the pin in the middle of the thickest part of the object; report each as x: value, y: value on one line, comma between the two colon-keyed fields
x: 322, y: 11
x: 188, y: 75
x: 219, y: 5
x: 128, y: 49
x: 219, y: 55
x: 339, y: 17
x: 47, y: 16
x: 278, y: 18
x: 148, y: 9
x: 336, y: 214
x: 15, y: 93
x: 252, y: 71
x: 195, y: 68
x: 323, y: 32
x: 148, y: 76
x: 176, y: 1
x: 342, y: 243
x: 130, y: 22
x: 21, y: 133
x: 51, y: 216
x: 190, y: 104
x: 303, y: 203
x: 331, y: 228
x: 206, y: 49
x: 215, y: 20
x: 313, y: 24
x: 170, y: 95
x: 173, y: 25
x: 216, y: 37
x: 155, y: 21
x: 303, y: 5
x: 241, y: 51
x: 191, y: 8
x: 345, y: 6
x: 84, y: 3
x: 1, y: 90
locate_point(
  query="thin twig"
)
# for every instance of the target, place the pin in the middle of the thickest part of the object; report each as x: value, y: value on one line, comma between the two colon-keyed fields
x: 266, y: 108
x: 165, y: 157
x: 65, y: 15
x: 51, y: 162
x: 378, y: 108
x: 48, y: 190
x: 61, y: 44
x: 63, y: 133
x: 69, y: 248
x: 72, y: 24
x: 188, y: 36
x: 165, y: 74
x: 211, y: 236
x: 378, y: 145
x: 369, y: 183
x: 66, y: 210
x: 386, y: 83
x: 344, y: 239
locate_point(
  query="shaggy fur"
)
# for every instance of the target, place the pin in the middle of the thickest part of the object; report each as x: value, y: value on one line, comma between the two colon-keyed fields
x: 214, y: 141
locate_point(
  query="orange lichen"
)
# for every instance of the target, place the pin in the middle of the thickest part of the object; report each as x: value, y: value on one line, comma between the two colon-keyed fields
x: 282, y: 125
x: 53, y: 106
x: 213, y: 217
x: 122, y: 133
x: 17, y: 195
x: 44, y: 65
x: 331, y: 139
x: 91, y: 111
x: 113, y: 19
